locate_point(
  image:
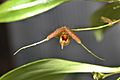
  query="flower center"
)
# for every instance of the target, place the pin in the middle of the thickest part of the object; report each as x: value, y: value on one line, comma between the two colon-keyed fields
x: 64, y: 37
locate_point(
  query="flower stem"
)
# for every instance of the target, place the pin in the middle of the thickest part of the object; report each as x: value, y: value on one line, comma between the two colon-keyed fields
x: 96, y: 28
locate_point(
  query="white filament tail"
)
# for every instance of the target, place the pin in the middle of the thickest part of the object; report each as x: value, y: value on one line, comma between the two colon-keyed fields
x: 93, y: 54
x: 31, y: 45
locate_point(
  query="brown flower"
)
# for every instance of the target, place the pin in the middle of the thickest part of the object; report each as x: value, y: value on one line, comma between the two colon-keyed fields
x: 65, y: 35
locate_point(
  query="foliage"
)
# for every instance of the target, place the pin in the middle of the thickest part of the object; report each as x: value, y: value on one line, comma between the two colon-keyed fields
x: 14, y: 10
x: 56, y: 69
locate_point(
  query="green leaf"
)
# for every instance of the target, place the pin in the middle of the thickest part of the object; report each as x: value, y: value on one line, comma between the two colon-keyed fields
x: 111, y: 11
x: 53, y: 69
x: 14, y: 10
x: 118, y: 78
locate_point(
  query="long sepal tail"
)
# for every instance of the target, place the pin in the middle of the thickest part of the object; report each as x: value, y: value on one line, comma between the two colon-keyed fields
x: 31, y: 45
x: 93, y: 54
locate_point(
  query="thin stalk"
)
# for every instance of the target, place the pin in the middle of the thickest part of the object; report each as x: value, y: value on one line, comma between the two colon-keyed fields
x: 110, y: 74
x: 96, y: 28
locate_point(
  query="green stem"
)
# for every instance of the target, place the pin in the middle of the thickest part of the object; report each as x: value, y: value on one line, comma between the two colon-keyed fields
x: 96, y: 28
x: 101, y: 76
x: 110, y: 74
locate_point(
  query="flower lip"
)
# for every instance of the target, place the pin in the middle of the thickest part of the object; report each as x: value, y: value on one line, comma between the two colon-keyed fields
x: 64, y: 39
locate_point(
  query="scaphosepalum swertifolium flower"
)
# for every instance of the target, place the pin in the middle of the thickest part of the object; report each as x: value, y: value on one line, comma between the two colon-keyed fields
x: 65, y: 35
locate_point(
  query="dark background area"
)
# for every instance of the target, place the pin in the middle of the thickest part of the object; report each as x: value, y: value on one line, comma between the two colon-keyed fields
x: 6, y: 62
x: 74, y: 14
